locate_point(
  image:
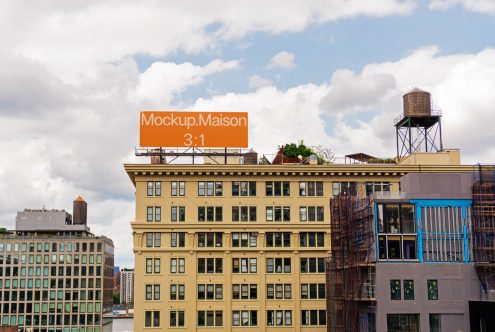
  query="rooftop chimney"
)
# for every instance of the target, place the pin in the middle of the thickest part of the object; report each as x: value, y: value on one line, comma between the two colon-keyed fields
x: 80, y: 210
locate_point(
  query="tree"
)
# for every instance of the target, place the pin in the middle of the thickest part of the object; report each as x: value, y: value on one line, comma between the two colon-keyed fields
x: 116, y: 298
x: 292, y: 150
x: 325, y: 154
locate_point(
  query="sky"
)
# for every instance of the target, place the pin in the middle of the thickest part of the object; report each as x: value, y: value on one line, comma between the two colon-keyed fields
x: 74, y: 76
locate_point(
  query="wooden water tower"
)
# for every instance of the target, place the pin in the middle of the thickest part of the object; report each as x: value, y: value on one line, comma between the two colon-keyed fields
x: 418, y: 129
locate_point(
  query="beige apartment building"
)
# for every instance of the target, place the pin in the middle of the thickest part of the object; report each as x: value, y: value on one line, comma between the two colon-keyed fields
x: 243, y: 247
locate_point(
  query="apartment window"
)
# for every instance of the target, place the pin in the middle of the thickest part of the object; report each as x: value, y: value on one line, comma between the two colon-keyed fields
x: 152, y: 319
x: 152, y: 292
x: 210, y: 239
x: 210, y: 292
x: 312, y: 239
x: 178, y: 239
x: 149, y: 188
x: 278, y: 213
x: 153, y: 213
x: 152, y: 265
x: 344, y: 188
x: 244, y: 239
x: 311, y: 213
x: 210, y: 265
x: 313, y: 291
x: 313, y: 317
x: 177, y: 319
x: 177, y: 188
x: 310, y: 188
x: 278, y: 239
x: 277, y: 188
x: 244, y: 291
x: 313, y: 265
x: 178, y: 213
x: 177, y: 292
x: 177, y: 265
x: 244, y: 188
x: 210, y: 188
x: 278, y: 265
x: 435, y: 323
x: 279, y: 291
x: 403, y: 322
x: 210, y: 213
x: 278, y: 317
x: 210, y: 318
x: 373, y: 187
x: 395, y: 293
x: 244, y: 265
x: 244, y: 213
x: 153, y: 240
x: 432, y: 287
x: 245, y: 318
x: 397, y: 232
x: 408, y: 289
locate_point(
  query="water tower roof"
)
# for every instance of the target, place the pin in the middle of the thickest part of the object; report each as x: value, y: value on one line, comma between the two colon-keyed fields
x: 79, y: 199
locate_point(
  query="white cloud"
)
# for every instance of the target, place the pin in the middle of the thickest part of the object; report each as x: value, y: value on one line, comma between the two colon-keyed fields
x: 479, y: 6
x: 282, y: 59
x: 256, y: 81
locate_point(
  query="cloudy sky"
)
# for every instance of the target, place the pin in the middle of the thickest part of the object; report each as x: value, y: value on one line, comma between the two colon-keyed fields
x: 75, y: 74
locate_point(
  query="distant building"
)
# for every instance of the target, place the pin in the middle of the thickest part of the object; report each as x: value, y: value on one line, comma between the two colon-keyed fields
x: 55, y: 275
x: 116, y: 281
x: 127, y: 286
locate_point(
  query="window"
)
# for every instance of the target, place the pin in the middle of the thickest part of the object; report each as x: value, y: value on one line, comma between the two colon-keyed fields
x: 152, y: 292
x: 244, y: 188
x: 313, y: 291
x: 245, y: 318
x: 210, y: 188
x: 313, y: 265
x: 278, y: 213
x: 210, y: 265
x: 152, y: 319
x: 310, y: 188
x: 244, y: 213
x: 312, y: 239
x: 244, y: 291
x: 278, y: 291
x: 210, y: 292
x: 149, y: 188
x: 278, y: 317
x: 345, y: 188
x: 152, y: 265
x: 435, y: 323
x: 153, y: 213
x: 395, y: 293
x: 278, y: 239
x: 177, y: 319
x: 278, y: 265
x: 153, y: 188
x: 408, y: 289
x: 277, y: 188
x: 373, y: 187
x: 177, y: 265
x: 311, y: 213
x: 210, y: 213
x: 313, y: 317
x: 177, y: 188
x: 210, y: 318
x: 178, y: 239
x: 152, y: 240
x: 210, y: 239
x: 244, y: 239
x: 177, y: 292
x: 403, y: 322
x: 178, y: 213
x: 244, y: 265
x: 432, y: 286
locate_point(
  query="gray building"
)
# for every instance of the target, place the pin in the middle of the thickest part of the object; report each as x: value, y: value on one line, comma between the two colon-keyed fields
x: 414, y: 260
x: 54, y: 275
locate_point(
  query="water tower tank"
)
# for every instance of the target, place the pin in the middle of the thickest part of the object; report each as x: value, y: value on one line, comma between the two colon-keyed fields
x: 417, y: 103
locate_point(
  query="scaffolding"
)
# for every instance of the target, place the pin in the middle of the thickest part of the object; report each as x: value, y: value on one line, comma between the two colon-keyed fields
x: 351, y: 268
x: 484, y: 225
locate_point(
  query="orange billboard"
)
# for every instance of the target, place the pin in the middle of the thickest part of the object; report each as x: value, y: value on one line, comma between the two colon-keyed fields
x: 193, y: 129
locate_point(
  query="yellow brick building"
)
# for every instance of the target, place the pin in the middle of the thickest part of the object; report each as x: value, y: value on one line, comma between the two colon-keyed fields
x: 241, y: 247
